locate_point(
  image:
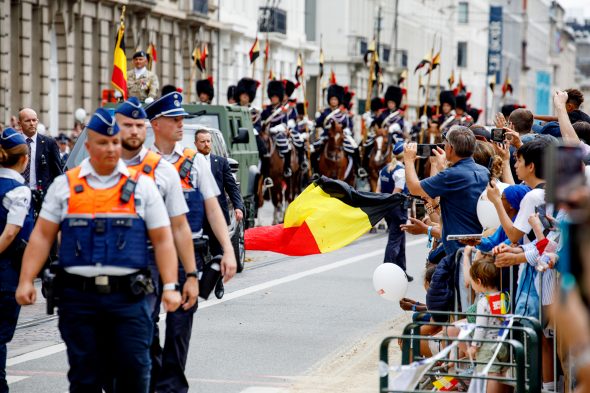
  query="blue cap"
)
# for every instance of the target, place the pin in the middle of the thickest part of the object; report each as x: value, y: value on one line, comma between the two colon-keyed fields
x: 11, y: 138
x: 398, y: 148
x: 132, y: 108
x: 103, y: 122
x: 169, y: 105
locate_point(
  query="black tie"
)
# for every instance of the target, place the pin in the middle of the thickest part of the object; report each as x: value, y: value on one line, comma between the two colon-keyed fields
x: 27, y: 171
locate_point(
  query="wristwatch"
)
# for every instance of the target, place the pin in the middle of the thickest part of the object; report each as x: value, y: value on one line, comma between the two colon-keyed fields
x: 172, y: 286
x: 194, y: 274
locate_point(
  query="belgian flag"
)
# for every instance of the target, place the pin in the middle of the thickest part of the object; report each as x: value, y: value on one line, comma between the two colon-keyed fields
x: 119, y: 76
x: 254, y: 51
x: 328, y: 215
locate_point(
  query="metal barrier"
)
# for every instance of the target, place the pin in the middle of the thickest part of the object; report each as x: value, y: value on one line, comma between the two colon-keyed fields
x: 524, y: 340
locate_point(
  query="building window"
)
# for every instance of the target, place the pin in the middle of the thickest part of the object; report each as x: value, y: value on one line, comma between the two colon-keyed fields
x: 272, y: 20
x: 385, y: 53
x: 363, y: 46
x: 463, y: 12
x: 462, y: 54
x: 201, y: 6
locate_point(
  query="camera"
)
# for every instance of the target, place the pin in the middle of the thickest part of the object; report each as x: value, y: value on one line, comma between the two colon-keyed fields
x: 425, y: 151
x: 498, y: 135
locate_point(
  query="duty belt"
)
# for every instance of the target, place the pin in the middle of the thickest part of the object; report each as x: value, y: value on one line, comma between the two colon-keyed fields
x: 139, y: 283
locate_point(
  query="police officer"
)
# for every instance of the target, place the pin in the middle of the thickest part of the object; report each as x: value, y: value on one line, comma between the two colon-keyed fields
x: 166, y: 116
x: 392, y: 180
x: 106, y: 214
x: 336, y: 112
x: 205, y: 91
x: 131, y: 119
x: 275, y: 118
x: 141, y: 82
x: 16, y: 224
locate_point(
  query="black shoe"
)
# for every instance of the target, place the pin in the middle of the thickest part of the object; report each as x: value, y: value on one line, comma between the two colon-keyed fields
x: 410, y: 278
x: 219, y: 289
x: 287, y: 172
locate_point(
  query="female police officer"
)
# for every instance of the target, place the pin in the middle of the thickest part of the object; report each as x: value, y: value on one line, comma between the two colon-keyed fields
x: 16, y: 224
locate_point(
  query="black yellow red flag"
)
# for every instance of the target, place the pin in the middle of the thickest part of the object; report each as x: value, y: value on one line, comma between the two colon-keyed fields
x: 326, y: 216
x: 254, y: 51
x: 119, y: 76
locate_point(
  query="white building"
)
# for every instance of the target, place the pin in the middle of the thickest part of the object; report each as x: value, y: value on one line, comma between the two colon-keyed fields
x: 239, y: 27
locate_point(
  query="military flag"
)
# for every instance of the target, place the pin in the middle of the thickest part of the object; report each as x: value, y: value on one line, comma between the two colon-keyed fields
x: 435, y: 63
x: 326, y: 216
x: 299, y: 69
x: 402, y: 77
x: 422, y: 63
x: 332, y: 80
x: 203, y: 58
x: 254, y: 51
x: 152, y: 55
x: 492, y: 82
x: 119, y: 75
x: 271, y: 75
x: 196, y: 56
x: 507, y: 86
x: 451, y: 79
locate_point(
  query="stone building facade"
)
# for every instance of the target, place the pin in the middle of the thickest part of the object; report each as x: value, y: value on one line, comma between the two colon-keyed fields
x: 57, y: 55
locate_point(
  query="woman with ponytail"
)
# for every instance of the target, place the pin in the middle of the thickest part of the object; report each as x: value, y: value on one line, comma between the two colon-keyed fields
x: 16, y: 224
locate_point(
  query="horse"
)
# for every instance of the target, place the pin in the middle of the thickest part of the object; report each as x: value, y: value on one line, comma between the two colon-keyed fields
x: 283, y: 189
x: 380, y: 156
x: 334, y: 162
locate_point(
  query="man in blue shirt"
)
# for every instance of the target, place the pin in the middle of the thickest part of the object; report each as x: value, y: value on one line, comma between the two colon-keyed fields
x: 459, y: 187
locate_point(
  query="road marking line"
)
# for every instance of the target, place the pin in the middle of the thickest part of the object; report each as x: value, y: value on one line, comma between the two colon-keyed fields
x: 297, y: 276
x: 13, y: 378
x: 41, y: 353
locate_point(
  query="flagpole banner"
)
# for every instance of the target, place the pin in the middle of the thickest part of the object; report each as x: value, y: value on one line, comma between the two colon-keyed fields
x: 328, y: 215
x: 495, y: 42
x: 119, y: 76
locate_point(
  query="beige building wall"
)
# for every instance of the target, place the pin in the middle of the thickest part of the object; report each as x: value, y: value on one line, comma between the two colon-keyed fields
x: 56, y: 55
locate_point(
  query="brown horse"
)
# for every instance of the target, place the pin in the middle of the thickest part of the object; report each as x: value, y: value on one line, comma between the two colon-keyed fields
x: 283, y: 189
x: 333, y: 161
x: 380, y: 156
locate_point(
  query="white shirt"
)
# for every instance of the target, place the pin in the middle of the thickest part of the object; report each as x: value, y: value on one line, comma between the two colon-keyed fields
x: 16, y: 201
x: 140, y: 71
x: 168, y: 183
x: 149, y: 206
x: 201, y: 176
x: 33, y: 162
x: 533, y: 198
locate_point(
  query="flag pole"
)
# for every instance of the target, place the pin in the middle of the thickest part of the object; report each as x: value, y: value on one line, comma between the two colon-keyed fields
x: 319, y: 83
x: 302, y: 76
x: 370, y: 82
x: 265, y: 68
x: 425, y: 126
x: 438, y: 81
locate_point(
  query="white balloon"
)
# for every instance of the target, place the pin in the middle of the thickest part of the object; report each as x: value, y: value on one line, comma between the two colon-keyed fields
x: 390, y: 282
x: 80, y: 115
x: 486, y: 212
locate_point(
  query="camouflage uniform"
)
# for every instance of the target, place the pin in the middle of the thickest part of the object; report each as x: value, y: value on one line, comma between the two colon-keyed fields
x: 144, y: 86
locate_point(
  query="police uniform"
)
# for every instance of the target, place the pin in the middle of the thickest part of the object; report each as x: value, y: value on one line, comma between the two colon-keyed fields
x: 198, y: 185
x: 276, y: 119
x: 392, y: 177
x: 104, y: 320
x: 167, y: 180
x: 15, y: 209
x: 142, y: 83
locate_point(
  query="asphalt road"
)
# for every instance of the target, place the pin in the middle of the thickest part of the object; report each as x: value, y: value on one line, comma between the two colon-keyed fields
x: 279, y: 318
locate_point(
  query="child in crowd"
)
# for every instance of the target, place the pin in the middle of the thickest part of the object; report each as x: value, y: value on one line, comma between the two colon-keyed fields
x: 484, y: 277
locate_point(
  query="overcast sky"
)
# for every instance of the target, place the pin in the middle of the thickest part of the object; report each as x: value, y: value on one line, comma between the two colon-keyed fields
x: 576, y: 8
